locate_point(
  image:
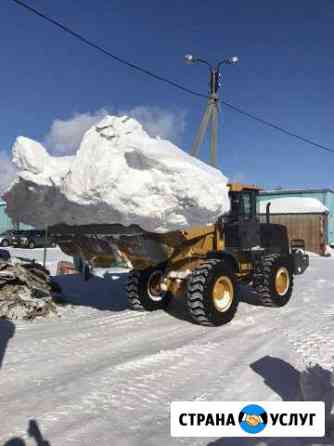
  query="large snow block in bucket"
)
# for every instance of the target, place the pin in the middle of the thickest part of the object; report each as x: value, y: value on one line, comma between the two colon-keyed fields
x: 119, y: 175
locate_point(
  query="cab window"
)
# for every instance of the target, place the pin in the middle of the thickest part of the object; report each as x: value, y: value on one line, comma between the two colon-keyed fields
x: 246, y: 205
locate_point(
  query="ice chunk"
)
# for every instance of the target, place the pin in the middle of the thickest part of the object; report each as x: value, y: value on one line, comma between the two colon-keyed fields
x: 119, y: 175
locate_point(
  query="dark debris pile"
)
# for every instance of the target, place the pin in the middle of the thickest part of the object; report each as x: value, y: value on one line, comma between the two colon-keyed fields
x: 25, y: 291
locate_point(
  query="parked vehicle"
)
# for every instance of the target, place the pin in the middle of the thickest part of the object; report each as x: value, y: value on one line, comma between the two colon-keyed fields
x: 6, y: 238
x: 16, y: 240
x: 35, y: 238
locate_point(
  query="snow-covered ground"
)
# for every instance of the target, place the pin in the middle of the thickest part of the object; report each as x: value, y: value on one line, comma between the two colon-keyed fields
x: 104, y: 375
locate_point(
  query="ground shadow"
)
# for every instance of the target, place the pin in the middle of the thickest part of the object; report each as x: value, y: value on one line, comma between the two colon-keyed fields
x: 313, y: 384
x: 279, y: 376
x: 16, y: 441
x: 34, y: 432
x: 4, y: 255
x: 248, y: 295
x: 106, y: 294
x: 178, y: 309
x: 7, y: 330
x: 109, y: 294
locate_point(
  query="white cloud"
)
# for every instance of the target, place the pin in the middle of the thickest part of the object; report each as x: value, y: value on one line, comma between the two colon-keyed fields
x: 65, y: 135
x: 159, y: 122
x: 7, y: 171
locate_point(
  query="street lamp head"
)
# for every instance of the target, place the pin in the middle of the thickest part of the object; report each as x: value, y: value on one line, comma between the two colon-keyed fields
x: 189, y: 58
x: 232, y: 60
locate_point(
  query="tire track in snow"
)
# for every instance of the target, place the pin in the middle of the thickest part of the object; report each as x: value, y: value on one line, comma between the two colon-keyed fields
x: 94, y: 364
x: 315, y: 341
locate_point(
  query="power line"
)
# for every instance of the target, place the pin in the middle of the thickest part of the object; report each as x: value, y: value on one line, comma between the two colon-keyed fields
x: 277, y: 127
x: 131, y: 65
x: 106, y: 52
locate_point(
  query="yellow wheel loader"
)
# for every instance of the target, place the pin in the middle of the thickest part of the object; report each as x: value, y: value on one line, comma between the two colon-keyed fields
x: 207, y: 264
x: 204, y: 264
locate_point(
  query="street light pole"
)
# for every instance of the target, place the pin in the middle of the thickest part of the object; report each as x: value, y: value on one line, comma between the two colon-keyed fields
x: 212, y: 111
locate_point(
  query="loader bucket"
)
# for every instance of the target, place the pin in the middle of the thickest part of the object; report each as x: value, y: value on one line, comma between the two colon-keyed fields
x: 118, y: 243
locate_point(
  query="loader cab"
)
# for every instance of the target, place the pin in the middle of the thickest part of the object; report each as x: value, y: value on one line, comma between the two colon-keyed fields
x: 241, y: 225
x: 242, y: 228
x: 243, y: 202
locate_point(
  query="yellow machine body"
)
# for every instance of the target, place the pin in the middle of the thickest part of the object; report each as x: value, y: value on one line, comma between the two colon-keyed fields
x: 180, y: 251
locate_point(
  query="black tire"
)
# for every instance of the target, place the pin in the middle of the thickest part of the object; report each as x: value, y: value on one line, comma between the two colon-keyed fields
x: 200, y: 288
x: 139, y: 296
x: 267, y: 289
x: 5, y: 243
x: 31, y: 244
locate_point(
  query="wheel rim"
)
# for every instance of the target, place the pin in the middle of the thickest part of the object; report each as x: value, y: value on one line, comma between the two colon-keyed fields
x: 154, y: 290
x: 223, y: 293
x: 282, y: 281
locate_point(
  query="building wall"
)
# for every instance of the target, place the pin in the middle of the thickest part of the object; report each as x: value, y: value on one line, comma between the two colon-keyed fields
x: 312, y: 228
x: 6, y: 223
x: 326, y: 196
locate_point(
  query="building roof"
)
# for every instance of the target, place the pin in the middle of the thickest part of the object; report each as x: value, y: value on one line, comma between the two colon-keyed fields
x: 297, y: 190
x: 293, y: 205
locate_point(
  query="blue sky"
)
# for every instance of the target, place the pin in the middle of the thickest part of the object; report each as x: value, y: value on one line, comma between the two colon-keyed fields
x: 285, y: 75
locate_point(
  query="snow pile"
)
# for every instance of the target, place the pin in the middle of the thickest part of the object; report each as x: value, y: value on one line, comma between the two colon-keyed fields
x: 293, y: 205
x: 329, y: 251
x: 119, y: 175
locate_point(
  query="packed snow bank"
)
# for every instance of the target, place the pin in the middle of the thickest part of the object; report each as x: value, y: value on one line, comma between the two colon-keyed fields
x: 293, y: 205
x: 329, y: 251
x: 119, y: 175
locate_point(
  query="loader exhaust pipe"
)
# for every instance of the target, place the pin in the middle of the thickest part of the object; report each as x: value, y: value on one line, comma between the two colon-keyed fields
x: 268, y: 212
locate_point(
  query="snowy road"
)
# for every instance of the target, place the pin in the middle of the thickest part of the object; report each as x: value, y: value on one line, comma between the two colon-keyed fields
x: 104, y: 375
